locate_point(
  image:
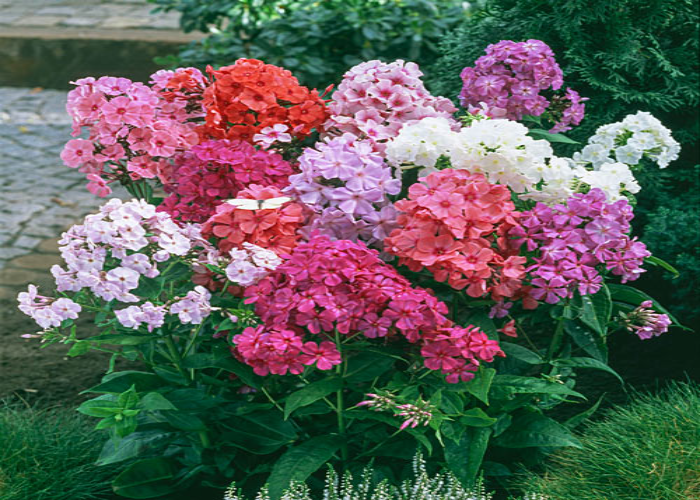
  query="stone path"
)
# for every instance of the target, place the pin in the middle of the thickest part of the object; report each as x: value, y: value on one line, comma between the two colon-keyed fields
x: 102, y: 14
x: 39, y: 196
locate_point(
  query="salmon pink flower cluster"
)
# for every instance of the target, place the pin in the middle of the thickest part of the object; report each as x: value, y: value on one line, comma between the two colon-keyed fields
x: 250, y: 96
x: 455, y: 224
x: 214, y: 171
x: 376, y: 99
x: 573, y: 240
x: 131, y: 131
x: 276, y: 229
x: 507, y: 83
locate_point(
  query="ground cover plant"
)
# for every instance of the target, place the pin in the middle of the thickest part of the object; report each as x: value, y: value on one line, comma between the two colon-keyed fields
x: 49, y: 454
x: 647, y: 449
x: 349, y: 278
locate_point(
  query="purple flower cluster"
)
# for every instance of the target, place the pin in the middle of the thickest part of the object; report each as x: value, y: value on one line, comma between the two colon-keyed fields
x: 645, y: 322
x: 47, y: 311
x: 574, y: 240
x: 508, y: 80
x: 376, y: 99
x: 346, y: 182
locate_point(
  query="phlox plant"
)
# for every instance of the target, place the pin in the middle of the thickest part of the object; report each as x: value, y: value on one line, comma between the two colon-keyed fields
x: 343, y: 278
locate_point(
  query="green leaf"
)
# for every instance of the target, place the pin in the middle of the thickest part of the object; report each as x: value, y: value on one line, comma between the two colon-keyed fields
x: 465, y: 456
x: 243, y: 372
x: 310, y: 394
x: 102, y: 406
x: 480, y: 385
x: 123, y: 339
x: 591, y: 363
x: 128, y: 398
x: 630, y: 295
x: 79, y: 348
x: 592, y: 343
x: 119, y: 382
x: 132, y: 446
x: 476, y: 417
x: 154, y: 401
x: 149, y: 478
x: 543, y: 134
x: 596, y: 310
x: 184, y: 421
x: 534, y: 430
x: 655, y: 261
x: 261, y: 434
x: 507, y: 385
x: 298, y: 463
x: 367, y: 366
x: 579, y: 418
x: 521, y: 353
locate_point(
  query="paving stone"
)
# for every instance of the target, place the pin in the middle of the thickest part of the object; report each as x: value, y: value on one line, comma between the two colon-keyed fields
x: 10, y: 252
x: 123, y: 22
x: 27, y: 242
x: 22, y: 277
x: 38, y: 262
x: 48, y: 245
x: 82, y: 22
x: 57, y: 11
x: 39, y: 21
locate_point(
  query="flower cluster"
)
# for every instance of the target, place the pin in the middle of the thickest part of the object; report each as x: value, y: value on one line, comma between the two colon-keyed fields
x: 376, y: 99
x: 47, y: 311
x: 132, y: 131
x: 347, y: 185
x: 507, y: 83
x: 249, y: 96
x: 214, y: 171
x: 454, y: 224
x: 185, y: 85
x: 250, y: 264
x: 574, y: 239
x: 413, y: 415
x: 637, y: 136
x: 645, y: 322
x: 272, y: 228
x: 193, y: 308
x: 614, y: 179
x: 568, y: 110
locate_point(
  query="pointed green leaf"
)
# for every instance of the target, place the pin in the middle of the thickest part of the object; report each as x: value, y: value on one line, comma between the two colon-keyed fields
x: 592, y: 343
x: 591, y: 363
x: 480, y: 385
x: 465, y: 456
x: 310, y: 394
x: 476, y: 418
x: 535, y: 430
x: 147, y: 478
x: 521, y: 353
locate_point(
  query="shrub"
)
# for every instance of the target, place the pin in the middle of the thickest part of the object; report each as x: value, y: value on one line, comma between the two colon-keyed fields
x: 318, y: 41
x: 49, y: 455
x: 647, y: 449
x: 624, y: 56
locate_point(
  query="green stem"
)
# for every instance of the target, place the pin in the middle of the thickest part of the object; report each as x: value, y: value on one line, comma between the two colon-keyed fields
x: 340, y: 406
x: 272, y: 400
x: 555, y: 344
x: 175, y: 356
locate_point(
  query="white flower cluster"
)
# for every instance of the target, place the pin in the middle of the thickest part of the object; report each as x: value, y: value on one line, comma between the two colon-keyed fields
x: 422, y: 143
x: 637, y: 136
x: 611, y: 178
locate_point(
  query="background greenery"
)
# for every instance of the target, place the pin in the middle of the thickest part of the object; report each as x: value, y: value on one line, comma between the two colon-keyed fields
x: 49, y: 454
x: 626, y: 56
x: 647, y: 449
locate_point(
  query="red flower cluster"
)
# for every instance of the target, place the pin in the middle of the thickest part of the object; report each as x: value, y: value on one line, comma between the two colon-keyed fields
x: 214, y: 171
x: 250, y: 95
x: 276, y: 229
x: 455, y: 225
x: 327, y: 286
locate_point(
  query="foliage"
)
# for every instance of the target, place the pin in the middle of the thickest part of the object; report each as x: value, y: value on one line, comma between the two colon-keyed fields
x: 318, y: 41
x: 624, y: 56
x: 49, y: 454
x: 646, y: 449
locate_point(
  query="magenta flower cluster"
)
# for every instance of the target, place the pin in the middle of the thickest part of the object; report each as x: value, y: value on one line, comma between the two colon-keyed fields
x: 347, y: 184
x: 214, y: 171
x: 375, y: 99
x: 507, y: 83
x: 132, y: 131
x: 574, y: 241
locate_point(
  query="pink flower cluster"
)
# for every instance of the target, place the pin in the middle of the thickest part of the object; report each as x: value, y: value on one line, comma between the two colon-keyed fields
x: 568, y: 110
x: 454, y: 224
x: 376, y: 99
x: 573, y: 240
x: 214, y: 171
x: 347, y: 184
x: 507, y: 83
x: 645, y: 322
x: 251, y: 264
x: 327, y: 286
x: 132, y: 131
x: 47, y: 311
x: 131, y: 232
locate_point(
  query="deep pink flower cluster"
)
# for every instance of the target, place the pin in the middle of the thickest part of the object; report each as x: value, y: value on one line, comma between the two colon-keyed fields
x: 454, y: 224
x: 574, y: 240
x: 376, y: 99
x: 507, y: 82
x: 214, y: 171
x: 326, y: 286
x: 132, y: 131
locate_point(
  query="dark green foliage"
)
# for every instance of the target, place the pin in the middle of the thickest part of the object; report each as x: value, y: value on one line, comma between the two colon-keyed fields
x: 626, y: 56
x: 648, y: 449
x: 49, y: 455
x: 317, y: 41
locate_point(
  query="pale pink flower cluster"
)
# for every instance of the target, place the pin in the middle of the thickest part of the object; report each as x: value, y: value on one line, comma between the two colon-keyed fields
x: 47, y: 311
x: 132, y: 130
x: 192, y: 308
x: 413, y: 414
x: 131, y: 232
x: 250, y: 264
x: 375, y: 99
x: 271, y: 135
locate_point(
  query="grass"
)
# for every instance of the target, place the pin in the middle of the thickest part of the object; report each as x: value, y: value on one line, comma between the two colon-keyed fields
x: 49, y: 454
x: 646, y: 450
